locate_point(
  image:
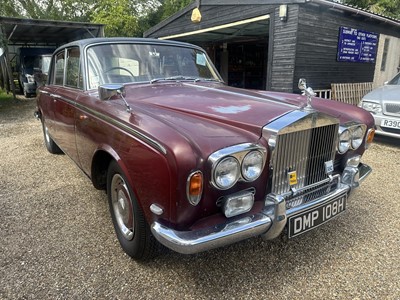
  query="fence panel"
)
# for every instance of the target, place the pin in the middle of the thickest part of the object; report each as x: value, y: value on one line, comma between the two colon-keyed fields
x: 350, y: 93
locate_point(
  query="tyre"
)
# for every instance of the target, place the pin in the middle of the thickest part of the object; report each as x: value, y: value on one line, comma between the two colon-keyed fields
x: 132, y: 230
x: 48, y: 141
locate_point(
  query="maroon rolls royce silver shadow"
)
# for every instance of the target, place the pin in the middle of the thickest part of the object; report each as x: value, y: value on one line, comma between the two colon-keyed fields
x: 189, y: 162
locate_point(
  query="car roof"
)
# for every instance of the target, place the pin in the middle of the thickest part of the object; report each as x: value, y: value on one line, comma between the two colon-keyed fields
x: 87, y: 42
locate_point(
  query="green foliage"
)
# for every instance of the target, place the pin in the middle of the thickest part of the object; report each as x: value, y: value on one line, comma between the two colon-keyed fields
x: 390, y: 8
x: 71, y: 10
x: 172, y: 6
x: 4, y: 96
x: 122, y: 17
x: 119, y: 16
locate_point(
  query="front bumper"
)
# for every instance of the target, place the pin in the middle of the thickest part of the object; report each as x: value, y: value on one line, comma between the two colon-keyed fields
x: 269, y: 223
x: 395, y: 133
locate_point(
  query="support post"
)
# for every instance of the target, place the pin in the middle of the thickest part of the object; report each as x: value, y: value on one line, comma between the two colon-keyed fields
x: 4, y: 45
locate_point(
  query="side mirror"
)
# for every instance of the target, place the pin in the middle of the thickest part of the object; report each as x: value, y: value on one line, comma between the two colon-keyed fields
x: 386, y: 83
x: 106, y: 91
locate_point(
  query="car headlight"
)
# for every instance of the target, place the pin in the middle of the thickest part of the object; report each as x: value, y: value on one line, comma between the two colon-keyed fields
x: 227, y: 172
x: 252, y: 165
x: 372, y: 107
x: 357, y: 136
x: 344, y: 141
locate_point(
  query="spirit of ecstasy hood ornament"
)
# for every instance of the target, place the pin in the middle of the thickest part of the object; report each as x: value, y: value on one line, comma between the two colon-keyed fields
x: 307, y: 91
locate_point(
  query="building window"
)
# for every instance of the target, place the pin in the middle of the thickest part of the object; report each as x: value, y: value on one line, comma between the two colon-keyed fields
x: 384, y: 55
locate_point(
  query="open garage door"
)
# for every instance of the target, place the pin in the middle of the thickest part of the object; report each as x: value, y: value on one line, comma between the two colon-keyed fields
x: 239, y: 50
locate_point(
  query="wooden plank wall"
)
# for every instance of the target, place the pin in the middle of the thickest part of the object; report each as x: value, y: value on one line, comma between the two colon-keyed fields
x: 317, y: 43
x: 283, y: 40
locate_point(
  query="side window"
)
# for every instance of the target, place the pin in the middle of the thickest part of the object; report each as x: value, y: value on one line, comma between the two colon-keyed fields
x: 73, y: 73
x: 59, y: 69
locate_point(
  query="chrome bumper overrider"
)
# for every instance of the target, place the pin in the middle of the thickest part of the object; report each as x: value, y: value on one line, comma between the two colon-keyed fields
x: 269, y: 223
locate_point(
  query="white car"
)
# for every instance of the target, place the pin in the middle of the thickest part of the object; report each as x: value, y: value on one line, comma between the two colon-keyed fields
x: 384, y: 105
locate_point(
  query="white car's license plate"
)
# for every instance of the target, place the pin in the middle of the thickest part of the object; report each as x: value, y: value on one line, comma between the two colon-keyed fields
x: 390, y: 123
x: 316, y: 216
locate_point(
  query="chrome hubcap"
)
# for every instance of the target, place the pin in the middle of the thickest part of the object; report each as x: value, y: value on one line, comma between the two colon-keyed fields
x: 122, y: 207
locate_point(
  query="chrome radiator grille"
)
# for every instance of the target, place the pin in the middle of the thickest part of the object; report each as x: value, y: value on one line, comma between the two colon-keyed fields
x: 305, y: 152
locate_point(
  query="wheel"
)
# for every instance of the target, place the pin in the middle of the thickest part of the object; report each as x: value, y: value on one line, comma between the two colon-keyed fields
x: 48, y: 141
x: 131, y: 228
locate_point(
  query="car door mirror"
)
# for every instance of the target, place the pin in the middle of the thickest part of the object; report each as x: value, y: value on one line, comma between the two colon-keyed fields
x: 106, y: 91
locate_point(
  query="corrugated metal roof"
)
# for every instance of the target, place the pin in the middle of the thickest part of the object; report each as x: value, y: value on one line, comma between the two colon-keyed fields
x: 18, y: 31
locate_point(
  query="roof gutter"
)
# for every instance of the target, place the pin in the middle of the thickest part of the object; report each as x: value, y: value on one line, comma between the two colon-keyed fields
x: 357, y: 11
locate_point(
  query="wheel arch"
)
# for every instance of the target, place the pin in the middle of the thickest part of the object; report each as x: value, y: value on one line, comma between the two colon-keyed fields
x: 99, y: 167
x: 102, y: 158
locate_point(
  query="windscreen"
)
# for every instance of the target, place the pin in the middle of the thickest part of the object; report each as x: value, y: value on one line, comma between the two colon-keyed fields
x: 395, y: 80
x: 125, y: 63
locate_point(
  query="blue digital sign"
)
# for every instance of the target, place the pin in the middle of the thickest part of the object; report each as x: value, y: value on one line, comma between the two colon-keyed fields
x: 357, y: 45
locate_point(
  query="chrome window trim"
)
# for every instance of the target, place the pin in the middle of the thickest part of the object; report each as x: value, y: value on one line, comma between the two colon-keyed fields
x: 138, y: 42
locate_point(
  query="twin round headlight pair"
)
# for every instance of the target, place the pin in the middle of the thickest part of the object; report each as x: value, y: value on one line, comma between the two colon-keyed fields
x: 350, y: 138
x: 228, y: 170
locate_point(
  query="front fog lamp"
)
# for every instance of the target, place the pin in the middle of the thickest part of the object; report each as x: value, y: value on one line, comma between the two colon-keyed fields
x: 238, y: 204
x: 344, y: 141
x: 252, y: 165
x: 357, y: 137
x: 226, y: 172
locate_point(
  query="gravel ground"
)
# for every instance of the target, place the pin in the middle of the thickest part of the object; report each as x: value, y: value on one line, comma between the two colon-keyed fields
x: 57, y: 239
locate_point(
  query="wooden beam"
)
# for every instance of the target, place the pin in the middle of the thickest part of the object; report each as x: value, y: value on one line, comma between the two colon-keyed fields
x: 7, y: 62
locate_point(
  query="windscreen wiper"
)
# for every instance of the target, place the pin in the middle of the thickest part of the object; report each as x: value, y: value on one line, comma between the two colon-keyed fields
x: 173, y: 78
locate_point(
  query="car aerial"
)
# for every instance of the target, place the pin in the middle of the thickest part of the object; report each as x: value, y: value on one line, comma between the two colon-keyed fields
x: 189, y: 162
x: 384, y: 105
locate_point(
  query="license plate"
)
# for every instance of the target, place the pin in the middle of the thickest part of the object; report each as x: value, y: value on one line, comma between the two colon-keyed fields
x: 390, y: 123
x: 316, y: 216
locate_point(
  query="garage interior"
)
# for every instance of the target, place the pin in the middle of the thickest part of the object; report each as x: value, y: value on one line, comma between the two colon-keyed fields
x: 29, y: 33
x: 239, y: 50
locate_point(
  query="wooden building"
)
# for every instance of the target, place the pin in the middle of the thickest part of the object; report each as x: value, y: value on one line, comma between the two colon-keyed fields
x: 269, y: 45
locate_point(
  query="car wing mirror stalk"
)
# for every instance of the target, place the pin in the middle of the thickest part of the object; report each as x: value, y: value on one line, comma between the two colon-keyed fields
x: 107, y: 91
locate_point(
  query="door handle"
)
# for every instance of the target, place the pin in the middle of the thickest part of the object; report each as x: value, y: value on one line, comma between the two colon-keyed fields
x: 55, y: 96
